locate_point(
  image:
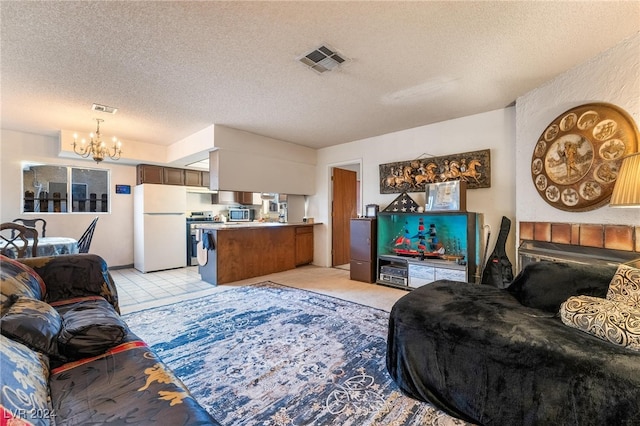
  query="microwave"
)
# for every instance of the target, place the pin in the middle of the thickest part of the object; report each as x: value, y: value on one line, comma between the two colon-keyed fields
x: 239, y: 215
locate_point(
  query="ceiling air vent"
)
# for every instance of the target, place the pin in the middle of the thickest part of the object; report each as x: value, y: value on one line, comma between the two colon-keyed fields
x: 322, y: 59
x: 104, y: 108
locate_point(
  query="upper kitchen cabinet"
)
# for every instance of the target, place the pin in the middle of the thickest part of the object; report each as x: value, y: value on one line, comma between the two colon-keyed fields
x: 193, y: 178
x: 245, y: 198
x: 172, y: 176
x: 233, y: 197
x: 147, y: 173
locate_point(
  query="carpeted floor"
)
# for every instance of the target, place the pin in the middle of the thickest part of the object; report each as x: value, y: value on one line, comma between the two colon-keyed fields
x: 272, y: 355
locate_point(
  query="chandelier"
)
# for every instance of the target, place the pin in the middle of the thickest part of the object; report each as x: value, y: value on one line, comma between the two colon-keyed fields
x: 96, y: 148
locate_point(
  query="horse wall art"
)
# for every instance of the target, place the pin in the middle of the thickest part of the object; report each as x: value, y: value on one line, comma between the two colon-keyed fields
x: 411, y: 176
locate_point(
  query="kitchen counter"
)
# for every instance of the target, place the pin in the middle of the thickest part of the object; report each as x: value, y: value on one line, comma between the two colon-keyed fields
x: 245, y: 225
x: 241, y: 250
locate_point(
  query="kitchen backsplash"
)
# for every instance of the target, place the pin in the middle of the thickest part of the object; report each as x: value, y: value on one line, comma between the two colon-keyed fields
x: 202, y: 202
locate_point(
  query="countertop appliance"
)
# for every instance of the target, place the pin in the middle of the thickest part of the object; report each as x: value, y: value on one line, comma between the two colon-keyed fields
x: 192, y: 244
x: 158, y: 227
x: 239, y: 214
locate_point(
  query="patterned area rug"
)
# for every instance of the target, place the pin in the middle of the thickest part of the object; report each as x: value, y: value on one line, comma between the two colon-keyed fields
x: 273, y: 355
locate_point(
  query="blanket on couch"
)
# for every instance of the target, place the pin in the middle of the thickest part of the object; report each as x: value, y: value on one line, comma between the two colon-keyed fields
x: 479, y: 354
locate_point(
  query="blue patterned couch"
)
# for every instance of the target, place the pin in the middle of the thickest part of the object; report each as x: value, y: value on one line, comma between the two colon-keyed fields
x: 67, y: 357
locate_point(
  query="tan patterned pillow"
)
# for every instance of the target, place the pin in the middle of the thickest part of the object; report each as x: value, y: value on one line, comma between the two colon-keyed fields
x: 615, y: 322
x: 625, y: 286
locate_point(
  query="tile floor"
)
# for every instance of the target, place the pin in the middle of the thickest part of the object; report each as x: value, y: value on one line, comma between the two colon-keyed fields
x: 138, y: 290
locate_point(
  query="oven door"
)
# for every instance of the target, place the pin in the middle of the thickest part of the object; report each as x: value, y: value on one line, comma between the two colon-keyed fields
x: 192, y: 247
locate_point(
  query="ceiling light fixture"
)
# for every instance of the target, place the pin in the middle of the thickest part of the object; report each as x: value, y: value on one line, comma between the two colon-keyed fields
x: 322, y: 59
x: 104, y: 108
x: 97, y: 149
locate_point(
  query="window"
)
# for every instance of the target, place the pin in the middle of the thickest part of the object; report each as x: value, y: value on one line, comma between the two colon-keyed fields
x: 64, y: 189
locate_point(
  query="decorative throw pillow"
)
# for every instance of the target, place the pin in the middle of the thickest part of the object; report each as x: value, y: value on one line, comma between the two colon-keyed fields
x: 90, y: 328
x: 615, y: 322
x: 24, y: 378
x: 545, y: 285
x: 33, y: 323
x: 625, y: 286
x: 18, y: 278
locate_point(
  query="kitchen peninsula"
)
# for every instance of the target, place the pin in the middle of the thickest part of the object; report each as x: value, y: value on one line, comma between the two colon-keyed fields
x: 237, y: 251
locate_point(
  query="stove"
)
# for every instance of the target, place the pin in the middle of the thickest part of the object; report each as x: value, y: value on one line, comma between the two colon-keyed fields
x: 204, y: 216
x: 192, y: 219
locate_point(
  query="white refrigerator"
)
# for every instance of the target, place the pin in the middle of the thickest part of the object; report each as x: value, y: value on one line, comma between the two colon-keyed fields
x: 159, y: 227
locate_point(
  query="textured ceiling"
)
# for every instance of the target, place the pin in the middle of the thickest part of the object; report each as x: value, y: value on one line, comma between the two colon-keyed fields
x: 173, y: 68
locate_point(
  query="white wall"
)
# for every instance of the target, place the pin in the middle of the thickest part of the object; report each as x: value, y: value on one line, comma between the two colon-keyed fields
x: 113, y: 237
x: 245, y: 161
x: 612, y: 77
x: 493, y: 130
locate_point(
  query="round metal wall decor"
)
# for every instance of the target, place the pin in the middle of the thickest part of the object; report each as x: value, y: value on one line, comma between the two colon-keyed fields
x: 576, y: 159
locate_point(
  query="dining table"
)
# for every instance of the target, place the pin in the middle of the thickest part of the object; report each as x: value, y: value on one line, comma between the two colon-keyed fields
x: 51, y: 246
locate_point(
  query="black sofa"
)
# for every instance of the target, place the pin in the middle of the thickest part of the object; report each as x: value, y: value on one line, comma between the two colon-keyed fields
x: 503, y: 357
x: 67, y: 358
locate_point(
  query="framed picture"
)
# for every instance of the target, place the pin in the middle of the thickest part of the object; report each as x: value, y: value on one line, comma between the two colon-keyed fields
x: 472, y: 167
x: 372, y: 210
x: 123, y: 189
x: 446, y: 196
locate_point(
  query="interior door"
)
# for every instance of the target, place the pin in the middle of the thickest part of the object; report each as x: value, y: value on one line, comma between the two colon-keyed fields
x: 344, y: 187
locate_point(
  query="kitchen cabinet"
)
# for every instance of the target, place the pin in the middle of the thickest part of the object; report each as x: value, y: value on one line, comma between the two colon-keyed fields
x: 245, y: 198
x: 363, y: 250
x: 304, y: 245
x: 192, y: 177
x: 232, y: 197
x: 172, y: 176
x: 147, y: 173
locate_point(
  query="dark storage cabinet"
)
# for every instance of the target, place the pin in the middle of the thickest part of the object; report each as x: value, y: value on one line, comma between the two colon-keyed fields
x: 172, y: 176
x: 363, y: 250
x: 193, y: 178
x: 148, y: 173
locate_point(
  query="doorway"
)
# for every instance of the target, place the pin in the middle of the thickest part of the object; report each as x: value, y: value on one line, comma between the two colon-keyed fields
x: 344, y: 206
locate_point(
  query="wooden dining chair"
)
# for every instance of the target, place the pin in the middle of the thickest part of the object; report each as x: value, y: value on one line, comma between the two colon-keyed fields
x: 14, y: 240
x: 33, y: 223
x: 85, y: 240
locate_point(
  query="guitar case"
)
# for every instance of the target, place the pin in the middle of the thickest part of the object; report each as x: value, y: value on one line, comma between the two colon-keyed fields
x: 498, y: 271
